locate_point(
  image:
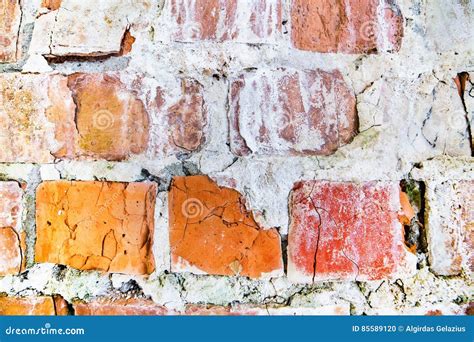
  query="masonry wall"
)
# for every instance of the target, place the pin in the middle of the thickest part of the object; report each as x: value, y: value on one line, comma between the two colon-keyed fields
x: 261, y: 157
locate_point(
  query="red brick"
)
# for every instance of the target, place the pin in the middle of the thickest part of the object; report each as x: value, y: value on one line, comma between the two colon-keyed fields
x: 182, y: 114
x: 221, y: 20
x: 112, y: 122
x: 11, y: 253
x: 346, y: 231
x: 10, y: 18
x: 279, y: 112
x: 96, y: 225
x: 38, y: 306
x: 353, y: 26
x: 119, y: 307
x: 212, y: 232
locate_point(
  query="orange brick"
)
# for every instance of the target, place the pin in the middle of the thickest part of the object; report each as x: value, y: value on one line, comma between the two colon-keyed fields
x: 11, y: 252
x: 111, y: 121
x: 212, y: 232
x: 353, y: 26
x: 120, y: 307
x: 51, y: 4
x: 10, y: 17
x: 96, y: 225
x: 41, y: 306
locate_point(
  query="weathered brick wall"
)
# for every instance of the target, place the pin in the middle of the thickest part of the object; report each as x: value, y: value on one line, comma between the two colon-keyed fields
x: 236, y: 157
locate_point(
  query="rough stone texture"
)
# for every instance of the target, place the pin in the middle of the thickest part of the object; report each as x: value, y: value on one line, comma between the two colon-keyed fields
x: 10, y: 18
x: 37, y: 306
x: 111, y: 121
x: 354, y: 26
x: 119, y: 307
x: 220, y: 20
x: 11, y: 253
x: 291, y: 112
x: 36, y: 117
x: 449, y: 222
x: 345, y: 231
x: 96, y: 225
x: 212, y: 232
x: 413, y: 114
x: 99, y: 32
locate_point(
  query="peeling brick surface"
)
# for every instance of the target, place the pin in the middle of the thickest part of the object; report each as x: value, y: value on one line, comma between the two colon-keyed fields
x: 120, y: 307
x: 10, y: 17
x: 111, y: 121
x: 37, y: 116
x: 96, y: 225
x: 58, y: 33
x: 280, y: 112
x: 37, y: 306
x: 181, y: 113
x: 236, y: 157
x: 450, y: 226
x: 11, y: 253
x: 344, y: 231
x: 212, y: 232
x: 219, y: 20
x: 355, y: 26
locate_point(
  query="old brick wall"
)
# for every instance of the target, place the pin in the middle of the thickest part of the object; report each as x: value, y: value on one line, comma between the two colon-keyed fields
x: 259, y: 157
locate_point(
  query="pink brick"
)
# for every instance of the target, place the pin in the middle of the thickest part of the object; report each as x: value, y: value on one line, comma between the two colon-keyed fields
x: 280, y: 112
x: 119, y: 307
x: 346, y: 231
x: 353, y: 26
x: 180, y: 115
x: 10, y: 226
x: 257, y: 21
x: 10, y: 18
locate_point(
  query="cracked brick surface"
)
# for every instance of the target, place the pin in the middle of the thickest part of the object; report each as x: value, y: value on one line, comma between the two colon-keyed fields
x: 219, y: 20
x: 11, y: 253
x: 10, y: 18
x: 212, y: 232
x: 355, y: 26
x: 346, y: 231
x: 100, y: 32
x: 96, y: 225
x: 291, y: 112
